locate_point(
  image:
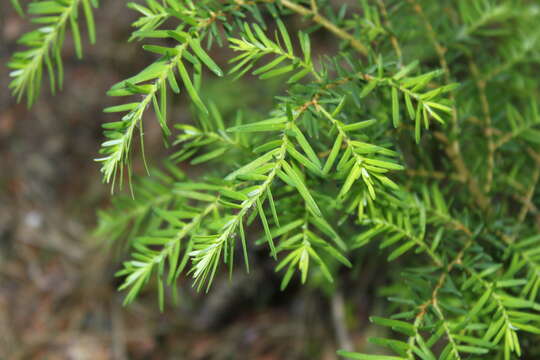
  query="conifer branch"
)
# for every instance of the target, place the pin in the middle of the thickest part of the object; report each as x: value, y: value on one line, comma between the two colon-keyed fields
x: 453, y: 148
x: 45, y: 45
x: 117, y: 147
x: 206, y: 255
x: 433, y: 301
x: 255, y: 44
x: 138, y: 271
x: 365, y: 167
x: 317, y: 181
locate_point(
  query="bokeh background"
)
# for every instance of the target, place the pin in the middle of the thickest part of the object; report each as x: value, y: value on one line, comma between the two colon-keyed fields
x: 58, y: 297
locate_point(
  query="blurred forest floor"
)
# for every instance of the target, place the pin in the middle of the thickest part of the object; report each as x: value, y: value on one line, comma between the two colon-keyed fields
x: 58, y: 297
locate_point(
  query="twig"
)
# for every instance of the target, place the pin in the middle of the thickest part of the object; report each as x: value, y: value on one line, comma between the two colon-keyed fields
x: 453, y: 148
x: 453, y: 151
x: 393, y: 38
x: 314, y: 6
x: 422, y: 310
x: 321, y: 20
x: 528, y: 197
x: 438, y: 175
x: 481, y: 86
x: 440, y: 281
x: 528, y: 205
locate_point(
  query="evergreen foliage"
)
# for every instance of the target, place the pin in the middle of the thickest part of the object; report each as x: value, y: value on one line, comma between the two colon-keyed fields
x: 416, y: 141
